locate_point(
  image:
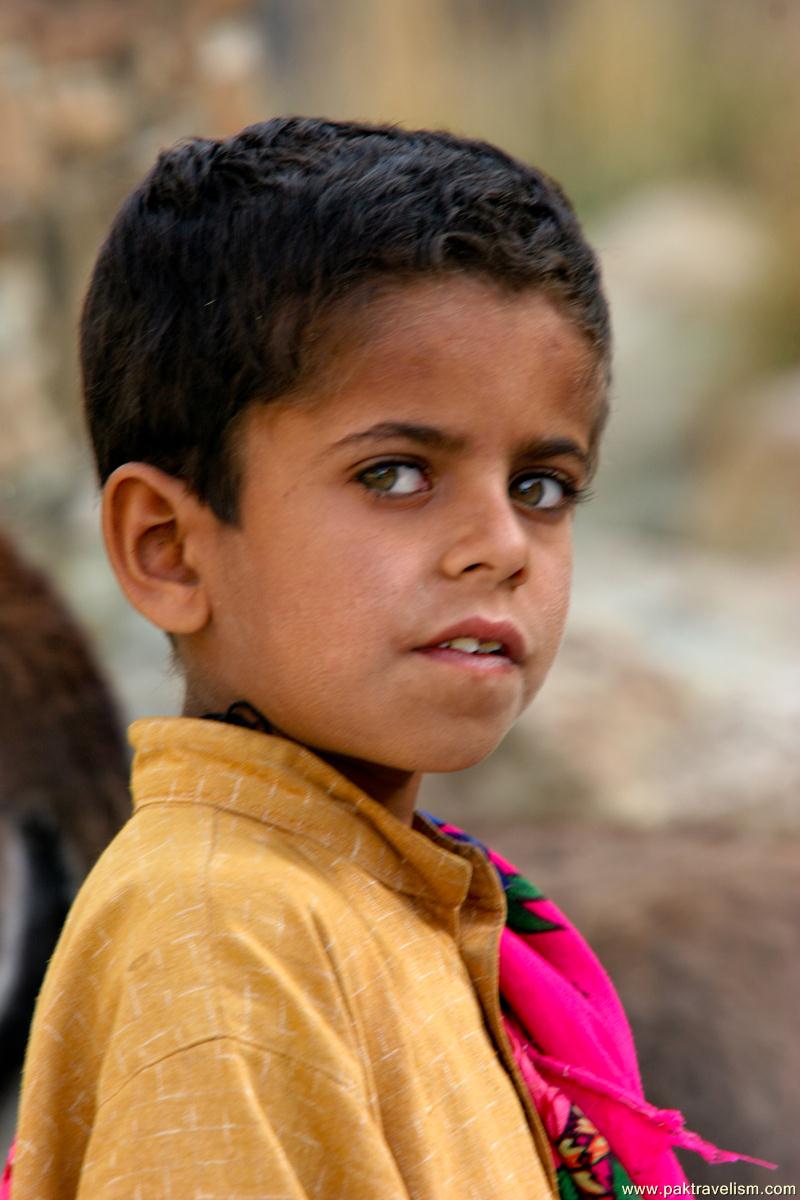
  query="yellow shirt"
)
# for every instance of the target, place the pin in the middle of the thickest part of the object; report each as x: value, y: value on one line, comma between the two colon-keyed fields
x: 269, y: 987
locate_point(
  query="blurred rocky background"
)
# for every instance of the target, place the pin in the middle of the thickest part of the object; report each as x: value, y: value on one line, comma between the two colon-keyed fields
x: 670, y: 722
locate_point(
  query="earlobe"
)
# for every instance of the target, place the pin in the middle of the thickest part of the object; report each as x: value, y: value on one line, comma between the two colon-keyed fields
x: 153, y: 528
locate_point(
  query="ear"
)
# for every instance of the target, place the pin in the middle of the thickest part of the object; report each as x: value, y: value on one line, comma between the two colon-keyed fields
x: 153, y: 528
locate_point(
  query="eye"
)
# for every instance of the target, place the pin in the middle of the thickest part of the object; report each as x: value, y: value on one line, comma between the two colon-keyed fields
x: 538, y: 491
x: 392, y: 478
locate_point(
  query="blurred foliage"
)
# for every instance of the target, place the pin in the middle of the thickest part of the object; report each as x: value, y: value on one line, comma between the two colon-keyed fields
x: 609, y: 95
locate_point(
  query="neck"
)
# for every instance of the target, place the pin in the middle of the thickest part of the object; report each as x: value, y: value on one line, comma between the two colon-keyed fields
x: 395, y: 789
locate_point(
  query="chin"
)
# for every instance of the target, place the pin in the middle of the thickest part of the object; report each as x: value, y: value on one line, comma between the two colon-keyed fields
x: 456, y: 755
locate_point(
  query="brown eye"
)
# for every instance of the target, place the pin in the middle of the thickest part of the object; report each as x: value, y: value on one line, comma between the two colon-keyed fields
x: 392, y: 478
x: 541, y: 491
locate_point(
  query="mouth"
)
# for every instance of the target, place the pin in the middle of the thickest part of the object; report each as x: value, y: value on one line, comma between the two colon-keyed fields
x: 480, y: 642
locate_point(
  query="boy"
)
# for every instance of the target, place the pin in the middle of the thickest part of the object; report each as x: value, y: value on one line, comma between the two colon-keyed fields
x: 345, y: 385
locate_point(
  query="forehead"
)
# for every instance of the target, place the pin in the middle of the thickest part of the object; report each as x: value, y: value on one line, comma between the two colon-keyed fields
x: 425, y: 339
x: 491, y: 367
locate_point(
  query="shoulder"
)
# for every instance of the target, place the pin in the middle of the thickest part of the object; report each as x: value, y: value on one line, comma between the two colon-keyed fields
x: 187, y: 902
x: 180, y: 868
x: 193, y: 929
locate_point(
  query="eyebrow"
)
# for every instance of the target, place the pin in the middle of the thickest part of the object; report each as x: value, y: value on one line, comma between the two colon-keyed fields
x: 439, y: 439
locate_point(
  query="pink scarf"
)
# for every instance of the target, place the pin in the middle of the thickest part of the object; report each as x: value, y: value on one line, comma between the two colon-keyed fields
x: 572, y: 1042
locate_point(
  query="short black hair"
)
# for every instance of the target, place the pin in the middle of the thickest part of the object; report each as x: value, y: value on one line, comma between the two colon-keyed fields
x: 219, y: 264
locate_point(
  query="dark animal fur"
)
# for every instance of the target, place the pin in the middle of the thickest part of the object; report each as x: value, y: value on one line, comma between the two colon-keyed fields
x: 63, y: 783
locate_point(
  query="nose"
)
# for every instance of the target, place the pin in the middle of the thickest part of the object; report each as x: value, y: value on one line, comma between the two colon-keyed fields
x: 487, y: 536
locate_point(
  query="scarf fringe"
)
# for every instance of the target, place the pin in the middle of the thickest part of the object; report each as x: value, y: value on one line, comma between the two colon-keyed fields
x: 669, y: 1119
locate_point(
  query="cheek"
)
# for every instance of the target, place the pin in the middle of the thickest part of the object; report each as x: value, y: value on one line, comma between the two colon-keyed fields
x: 325, y: 594
x: 552, y: 581
x: 552, y: 608
x: 560, y: 593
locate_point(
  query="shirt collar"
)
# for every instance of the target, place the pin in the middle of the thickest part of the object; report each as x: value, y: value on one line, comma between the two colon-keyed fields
x: 280, y: 783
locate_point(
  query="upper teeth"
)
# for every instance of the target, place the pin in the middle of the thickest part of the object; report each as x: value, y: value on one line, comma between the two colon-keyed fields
x: 472, y: 645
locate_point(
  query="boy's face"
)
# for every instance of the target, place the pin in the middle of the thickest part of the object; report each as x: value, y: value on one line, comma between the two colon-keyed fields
x: 359, y: 546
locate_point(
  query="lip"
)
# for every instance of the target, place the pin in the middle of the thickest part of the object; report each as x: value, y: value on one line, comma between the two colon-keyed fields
x: 486, y: 630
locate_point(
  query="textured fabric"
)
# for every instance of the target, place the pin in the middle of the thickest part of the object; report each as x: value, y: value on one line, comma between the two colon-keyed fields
x: 270, y: 987
x: 574, y: 1048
